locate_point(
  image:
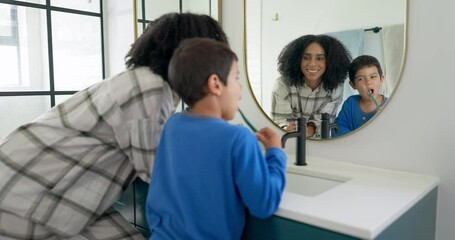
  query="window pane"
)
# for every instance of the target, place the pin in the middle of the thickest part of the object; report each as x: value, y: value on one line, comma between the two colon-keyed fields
x: 139, y: 8
x: 5, y: 21
x: 9, y: 66
x: 24, y: 60
x: 35, y: 1
x: 156, y: 8
x: 26, y: 109
x: 196, y: 6
x: 140, y: 29
x: 77, y: 51
x: 61, y: 98
x: 83, y: 5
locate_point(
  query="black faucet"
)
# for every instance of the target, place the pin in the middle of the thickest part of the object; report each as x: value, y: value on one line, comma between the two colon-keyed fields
x: 326, y: 126
x: 300, y: 134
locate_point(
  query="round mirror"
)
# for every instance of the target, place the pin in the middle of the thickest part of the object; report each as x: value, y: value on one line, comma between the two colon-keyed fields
x: 371, y: 27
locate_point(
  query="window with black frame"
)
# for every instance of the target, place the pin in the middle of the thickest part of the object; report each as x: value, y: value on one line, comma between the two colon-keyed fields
x: 48, y: 51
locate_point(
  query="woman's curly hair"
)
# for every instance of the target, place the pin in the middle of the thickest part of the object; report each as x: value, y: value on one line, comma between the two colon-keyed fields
x: 155, y: 46
x: 337, y: 60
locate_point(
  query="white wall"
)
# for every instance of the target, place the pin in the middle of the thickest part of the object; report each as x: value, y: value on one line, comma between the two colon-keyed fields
x: 415, y: 131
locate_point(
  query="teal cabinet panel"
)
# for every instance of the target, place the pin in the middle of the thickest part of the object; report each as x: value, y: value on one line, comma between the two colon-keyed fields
x: 276, y: 228
x: 418, y: 223
x: 132, y: 205
x: 125, y: 205
x: 141, y: 198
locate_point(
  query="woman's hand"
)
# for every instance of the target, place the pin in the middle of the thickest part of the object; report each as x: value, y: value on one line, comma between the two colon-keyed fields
x: 291, y: 127
x: 310, y: 129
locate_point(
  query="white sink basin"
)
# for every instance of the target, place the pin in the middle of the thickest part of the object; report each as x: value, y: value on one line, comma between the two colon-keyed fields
x: 309, y: 183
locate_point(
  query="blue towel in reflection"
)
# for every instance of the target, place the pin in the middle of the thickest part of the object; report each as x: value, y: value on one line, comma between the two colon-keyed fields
x: 353, y: 40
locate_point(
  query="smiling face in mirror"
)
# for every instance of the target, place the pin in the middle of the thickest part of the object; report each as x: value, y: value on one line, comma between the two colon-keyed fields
x: 361, y: 26
x: 313, y: 65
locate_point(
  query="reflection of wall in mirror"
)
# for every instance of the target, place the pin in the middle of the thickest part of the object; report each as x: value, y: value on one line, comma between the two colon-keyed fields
x: 266, y: 37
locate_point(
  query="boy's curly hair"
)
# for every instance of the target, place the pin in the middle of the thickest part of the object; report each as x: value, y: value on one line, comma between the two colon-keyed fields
x: 155, y: 46
x: 337, y: 60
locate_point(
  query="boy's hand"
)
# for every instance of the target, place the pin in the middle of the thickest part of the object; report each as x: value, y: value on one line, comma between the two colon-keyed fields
x: 269, y: 138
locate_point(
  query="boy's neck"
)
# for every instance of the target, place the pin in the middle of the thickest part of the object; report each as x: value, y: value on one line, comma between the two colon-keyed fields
x: 206, y: 107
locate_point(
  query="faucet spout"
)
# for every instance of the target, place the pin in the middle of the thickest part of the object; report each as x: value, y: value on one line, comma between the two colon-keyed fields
x: 300, y: 134
x: 326, y: 126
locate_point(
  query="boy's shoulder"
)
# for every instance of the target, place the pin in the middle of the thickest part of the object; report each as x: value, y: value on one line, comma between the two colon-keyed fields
x: 238, y: 129
x: 352, y: 101
x: 214, y: 124
x: 354, y: 98
x: 238, y: 133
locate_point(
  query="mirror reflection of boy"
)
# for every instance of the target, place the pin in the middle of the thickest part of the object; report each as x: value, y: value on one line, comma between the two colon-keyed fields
x: 208, y: 172
x: 365, y: 76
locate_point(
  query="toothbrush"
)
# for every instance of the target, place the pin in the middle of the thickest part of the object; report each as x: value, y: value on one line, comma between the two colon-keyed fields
x: 372, y: 97
x: 247, y: 121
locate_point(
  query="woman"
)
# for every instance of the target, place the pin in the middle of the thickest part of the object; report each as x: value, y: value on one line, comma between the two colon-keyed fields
x: 61, y: 174
x: 313, y: 69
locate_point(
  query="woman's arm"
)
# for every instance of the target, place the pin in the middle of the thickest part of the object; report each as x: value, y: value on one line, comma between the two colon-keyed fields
x: 281, y: 105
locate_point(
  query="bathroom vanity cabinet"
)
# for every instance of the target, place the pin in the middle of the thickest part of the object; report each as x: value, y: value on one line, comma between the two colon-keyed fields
x: 347, y: 201
x: 330, y: 200
x: 417, y: 223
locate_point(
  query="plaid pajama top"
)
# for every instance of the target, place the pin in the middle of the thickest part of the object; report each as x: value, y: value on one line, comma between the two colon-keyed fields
x: 300, y: 101
x: 67, y: 167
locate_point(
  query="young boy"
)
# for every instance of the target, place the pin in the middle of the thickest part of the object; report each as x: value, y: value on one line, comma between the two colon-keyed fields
x: 365, y: 75
x: 208, y: 172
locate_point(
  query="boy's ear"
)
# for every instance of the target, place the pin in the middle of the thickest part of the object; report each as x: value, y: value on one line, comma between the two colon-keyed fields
x: 214, y: 85
x: 352, y: 84
x: 382, y: 78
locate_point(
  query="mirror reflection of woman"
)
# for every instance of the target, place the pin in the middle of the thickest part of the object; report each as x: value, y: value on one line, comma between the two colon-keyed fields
x: 313, y: 69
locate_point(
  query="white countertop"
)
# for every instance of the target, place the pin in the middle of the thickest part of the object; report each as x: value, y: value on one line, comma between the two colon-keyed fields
x: 363, y: 206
